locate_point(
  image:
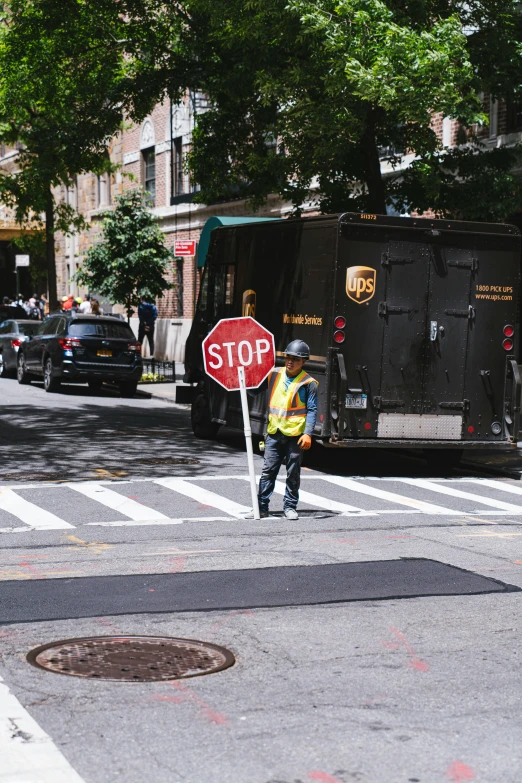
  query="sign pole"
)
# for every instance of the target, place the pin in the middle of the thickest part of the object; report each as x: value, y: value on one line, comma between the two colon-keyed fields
x: 248, y: 439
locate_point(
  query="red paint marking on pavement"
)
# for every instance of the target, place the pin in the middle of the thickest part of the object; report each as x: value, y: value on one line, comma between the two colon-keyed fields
x: 206, y: 710
x: 163, y: 697
x: 178, y: 564
x: 31, y: 568
x: 396, y: 537
x: 219, y: 623
x: 324, y: 777
x: 460, y: 772
x: 415, y: 662
x: 152, y: 591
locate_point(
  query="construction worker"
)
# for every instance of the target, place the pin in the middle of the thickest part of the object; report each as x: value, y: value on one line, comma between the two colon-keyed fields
x: 292, y: 410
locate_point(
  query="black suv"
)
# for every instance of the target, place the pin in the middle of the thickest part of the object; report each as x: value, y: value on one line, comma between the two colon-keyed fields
x: 75, y: 348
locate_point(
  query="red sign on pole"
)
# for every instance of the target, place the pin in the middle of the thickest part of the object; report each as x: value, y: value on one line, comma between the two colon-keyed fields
x: 235, y: 343
x: 185, y: 248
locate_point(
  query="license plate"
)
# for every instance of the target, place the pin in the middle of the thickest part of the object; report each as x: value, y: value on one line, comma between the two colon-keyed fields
x: 103, y: 353
x: 356, y: 401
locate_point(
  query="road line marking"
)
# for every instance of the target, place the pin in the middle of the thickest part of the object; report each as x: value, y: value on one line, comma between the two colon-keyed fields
x: 204, y: 496
x: 499, y: 485
x: 28, y: 754
x: 133, y: 523
x: 108, y: 497
x: 325, y: 503
x: 458, y: 493
x: 420, y: 505
x: 487, y: 535
x: 34, y: 516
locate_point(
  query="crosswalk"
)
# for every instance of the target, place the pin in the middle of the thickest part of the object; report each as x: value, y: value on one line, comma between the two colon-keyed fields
x: 179, y: 500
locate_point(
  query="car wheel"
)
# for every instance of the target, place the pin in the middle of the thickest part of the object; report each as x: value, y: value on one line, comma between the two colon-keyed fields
x: 128, y: 388
x: 202, y: 425
x: 95, y: 384
x: 51, y: 383
x: 21, y: 371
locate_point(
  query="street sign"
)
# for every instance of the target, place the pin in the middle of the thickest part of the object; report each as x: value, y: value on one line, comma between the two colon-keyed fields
x: 185, y: 248
x: 234, y: 343
x: 238, y: 354
x: 21, y: 261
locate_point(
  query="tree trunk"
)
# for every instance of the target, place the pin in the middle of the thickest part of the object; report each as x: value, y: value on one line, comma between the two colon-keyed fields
x: 50, y: 252
x: 372, y: 167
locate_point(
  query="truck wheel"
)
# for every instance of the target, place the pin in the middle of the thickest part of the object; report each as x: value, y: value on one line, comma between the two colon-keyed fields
x: 21, y: 371
x: 128, y: 388
x: 51, y: 382
x: 202, y: 424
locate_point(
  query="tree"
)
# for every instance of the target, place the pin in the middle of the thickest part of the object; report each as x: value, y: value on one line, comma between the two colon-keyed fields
x: 131, y: 258
x: 69, y: 73
x: 306, y: 94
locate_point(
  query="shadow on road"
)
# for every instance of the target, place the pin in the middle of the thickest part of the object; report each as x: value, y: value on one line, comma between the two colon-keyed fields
x: 77, y: 434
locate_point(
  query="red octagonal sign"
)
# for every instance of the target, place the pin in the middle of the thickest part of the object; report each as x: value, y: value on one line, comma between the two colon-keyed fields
x: 238, y: 342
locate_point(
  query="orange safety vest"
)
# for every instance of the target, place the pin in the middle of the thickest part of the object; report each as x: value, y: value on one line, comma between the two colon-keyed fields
x: 286, y: 411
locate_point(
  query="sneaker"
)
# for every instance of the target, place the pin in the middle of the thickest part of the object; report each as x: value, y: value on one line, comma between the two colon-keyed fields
x: 291, y: 513
x: 262, y: 514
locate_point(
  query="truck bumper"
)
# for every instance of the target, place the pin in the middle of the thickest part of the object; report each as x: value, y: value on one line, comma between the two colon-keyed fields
x: 382, y: 443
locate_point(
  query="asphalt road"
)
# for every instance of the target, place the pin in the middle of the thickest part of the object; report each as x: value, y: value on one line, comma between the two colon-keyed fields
x: 359, y: 657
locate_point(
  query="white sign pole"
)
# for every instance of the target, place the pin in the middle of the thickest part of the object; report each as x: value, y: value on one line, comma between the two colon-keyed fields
x: 248, y: 439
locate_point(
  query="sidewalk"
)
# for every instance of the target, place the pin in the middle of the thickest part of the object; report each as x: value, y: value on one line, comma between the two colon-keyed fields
x: 166, y: 390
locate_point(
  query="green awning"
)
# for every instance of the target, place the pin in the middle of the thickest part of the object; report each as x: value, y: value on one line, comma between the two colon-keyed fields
x: 214, y: 222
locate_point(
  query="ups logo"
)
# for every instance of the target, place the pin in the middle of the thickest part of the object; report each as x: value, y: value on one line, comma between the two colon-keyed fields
x: 249, y: 303
x: 360, y: 283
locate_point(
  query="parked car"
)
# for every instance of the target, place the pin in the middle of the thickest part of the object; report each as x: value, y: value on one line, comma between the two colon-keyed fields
x: 12, y: 311
x: 12, y: 335
x: 73, y: 348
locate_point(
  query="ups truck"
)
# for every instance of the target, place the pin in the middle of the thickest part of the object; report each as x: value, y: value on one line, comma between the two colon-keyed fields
x: 412, y: 326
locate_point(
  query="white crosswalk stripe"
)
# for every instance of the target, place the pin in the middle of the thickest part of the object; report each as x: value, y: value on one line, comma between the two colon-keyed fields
x: 192, y: 491
x: 376, y: 492
x: 444, y: 489
x: 203, y: 496
x: 37, y: 518
x: 123, y: 505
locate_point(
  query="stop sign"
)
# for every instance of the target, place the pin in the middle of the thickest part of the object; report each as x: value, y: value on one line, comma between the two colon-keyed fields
x: 238, y: 342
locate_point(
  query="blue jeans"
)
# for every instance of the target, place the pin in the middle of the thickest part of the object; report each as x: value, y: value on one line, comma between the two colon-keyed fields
x: 278, y: 447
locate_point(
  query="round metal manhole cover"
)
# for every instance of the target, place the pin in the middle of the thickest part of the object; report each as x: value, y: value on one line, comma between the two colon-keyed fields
x: 131, y: 658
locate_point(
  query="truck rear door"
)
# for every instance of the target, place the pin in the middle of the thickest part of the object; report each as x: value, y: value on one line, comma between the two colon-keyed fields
x: 407, y: 343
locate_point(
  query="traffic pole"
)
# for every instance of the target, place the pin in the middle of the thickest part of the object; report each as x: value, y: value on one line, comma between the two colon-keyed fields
x: 248, y: 439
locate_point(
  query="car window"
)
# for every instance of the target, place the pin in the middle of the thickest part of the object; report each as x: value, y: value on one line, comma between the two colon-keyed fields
x: 5, y: 327
x: 61, y: 326
x: 28, y: 328
x: 100, y: 329
x: 49, y: 327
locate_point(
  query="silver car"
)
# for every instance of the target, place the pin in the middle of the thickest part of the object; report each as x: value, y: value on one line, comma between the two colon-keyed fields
x: 12, y: 334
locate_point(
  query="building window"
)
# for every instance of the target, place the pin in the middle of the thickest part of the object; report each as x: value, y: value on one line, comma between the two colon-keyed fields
x: 104, y: 189
x: 177, y: 149
x: 513, y: 116
x: 149, y: 178
x: 179, y: 287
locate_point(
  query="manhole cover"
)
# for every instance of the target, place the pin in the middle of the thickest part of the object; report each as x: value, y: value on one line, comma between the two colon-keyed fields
x: 131, y: 658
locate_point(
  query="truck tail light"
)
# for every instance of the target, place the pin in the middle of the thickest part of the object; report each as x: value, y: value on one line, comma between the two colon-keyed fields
x: 507, y: 345
x: 509, y: 330
x: 339, y: 336
x: 68, y: 343
x: 16, y: 343
x: 136, y: 347
x: 340, y: 322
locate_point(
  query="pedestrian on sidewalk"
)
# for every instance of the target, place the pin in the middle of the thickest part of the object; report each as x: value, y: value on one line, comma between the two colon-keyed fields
x: 85, y: 306
x: 292, y: 411
x: 147, y: 314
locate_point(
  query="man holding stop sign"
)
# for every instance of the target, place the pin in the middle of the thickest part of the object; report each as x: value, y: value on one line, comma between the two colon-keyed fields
x: 292, y: 410
x: 239, y: 353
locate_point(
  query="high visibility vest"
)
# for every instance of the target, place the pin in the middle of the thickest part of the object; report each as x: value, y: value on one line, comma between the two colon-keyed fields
x: 286, y: 411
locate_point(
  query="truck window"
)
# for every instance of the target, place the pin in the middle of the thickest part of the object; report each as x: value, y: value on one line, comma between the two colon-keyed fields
x: 223, y: 290
x: 203, y: 291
